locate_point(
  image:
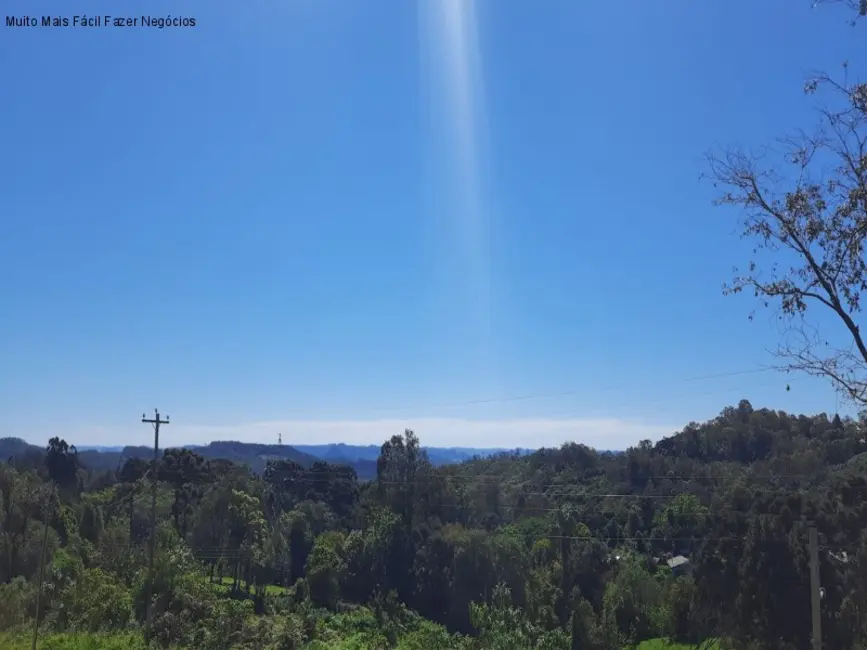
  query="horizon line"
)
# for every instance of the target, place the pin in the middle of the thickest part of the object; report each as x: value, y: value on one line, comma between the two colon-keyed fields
x: 504, y: 433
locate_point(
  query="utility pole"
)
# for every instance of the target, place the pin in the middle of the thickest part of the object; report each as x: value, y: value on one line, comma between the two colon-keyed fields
x: 815, y: 587
x: 156, y: 421
x: 42, y: 566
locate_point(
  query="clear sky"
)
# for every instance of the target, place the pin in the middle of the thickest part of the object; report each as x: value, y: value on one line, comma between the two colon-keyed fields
x: 334, y: 219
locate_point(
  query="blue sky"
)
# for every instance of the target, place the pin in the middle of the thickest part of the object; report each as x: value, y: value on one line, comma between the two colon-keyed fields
x: 335, y: 219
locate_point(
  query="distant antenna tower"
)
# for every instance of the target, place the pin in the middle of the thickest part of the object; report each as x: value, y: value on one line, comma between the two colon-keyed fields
x: 280, y: 439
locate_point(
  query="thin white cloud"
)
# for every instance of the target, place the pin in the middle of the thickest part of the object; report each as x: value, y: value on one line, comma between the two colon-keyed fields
x: 604, y: 433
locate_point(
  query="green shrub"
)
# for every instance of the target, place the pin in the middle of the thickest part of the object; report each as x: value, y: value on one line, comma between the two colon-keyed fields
x: 97, y: 601
x: 17, y: 603
x: 73, y: 641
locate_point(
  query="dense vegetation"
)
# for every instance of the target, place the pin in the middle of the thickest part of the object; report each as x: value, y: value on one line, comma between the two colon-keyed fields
x: 250, y: 454
x: 564, y: 548
x: 361, y: 458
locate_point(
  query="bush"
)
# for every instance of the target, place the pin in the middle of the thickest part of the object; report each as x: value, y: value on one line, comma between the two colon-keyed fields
x: 17, y: 603
x: 97, y: 601
x: 273, y: 633
x: 72, y: 641
x: 122, y: 641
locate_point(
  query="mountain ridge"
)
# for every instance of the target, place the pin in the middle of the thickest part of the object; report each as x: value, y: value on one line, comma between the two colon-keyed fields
x: 362, y: 458
x: 109, y: 458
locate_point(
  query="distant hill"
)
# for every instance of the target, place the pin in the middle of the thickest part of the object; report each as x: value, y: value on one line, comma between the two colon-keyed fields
x: 452, y: 455
x: 16, y: 448
x: 100, y: 448
x: 254, y: 456
x: 111, y: 460
x: 120, y: 448
x: 340, y: 452
x: 362, y: 458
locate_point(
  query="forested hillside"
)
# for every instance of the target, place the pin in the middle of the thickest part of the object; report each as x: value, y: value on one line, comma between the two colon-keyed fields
x: 356, y: 455
x: 255, y: 456
x: 564, y: 548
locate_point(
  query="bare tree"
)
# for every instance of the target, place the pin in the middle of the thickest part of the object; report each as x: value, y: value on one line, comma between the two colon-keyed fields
x: 805, y: 207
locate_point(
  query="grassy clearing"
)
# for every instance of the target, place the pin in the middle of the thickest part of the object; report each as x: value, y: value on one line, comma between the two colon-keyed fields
x: 664, y: 644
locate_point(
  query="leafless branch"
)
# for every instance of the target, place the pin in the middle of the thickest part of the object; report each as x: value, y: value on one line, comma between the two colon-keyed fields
x: 858, y: 7
x: 808, y: 213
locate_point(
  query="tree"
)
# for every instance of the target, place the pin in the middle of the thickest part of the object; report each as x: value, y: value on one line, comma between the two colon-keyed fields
x: 401, y: 464
x: 501, y: 626
x: 809, y: 228
x: 185, y: 471
x: 566, y: 523
x: 246, y: 526
x: 134, y: 469
x: 22, y: 503
x: 325, y: 569
x: 61, y: 461
x: 632, y: 602
x: 858, y: 6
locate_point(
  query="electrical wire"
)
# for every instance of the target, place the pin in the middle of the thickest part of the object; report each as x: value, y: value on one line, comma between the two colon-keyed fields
x: 573, y: 392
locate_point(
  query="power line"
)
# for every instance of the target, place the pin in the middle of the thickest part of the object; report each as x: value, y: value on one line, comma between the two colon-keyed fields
x: 584, y: 412
x: 743, y: 480
x: 41, y: 586
x: 571, y: 392
x: 814, y: 588
x: 526, y: 397
x: 596, y: 509
x: 217, y: 552
x: 318, y: 476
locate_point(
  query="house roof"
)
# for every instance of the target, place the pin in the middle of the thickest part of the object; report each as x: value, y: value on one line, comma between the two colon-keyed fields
x: 677, y: 561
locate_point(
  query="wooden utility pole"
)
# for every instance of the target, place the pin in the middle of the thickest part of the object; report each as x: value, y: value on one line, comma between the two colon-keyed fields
x: 156, y: 421
x: 42, y: 566
x: 815, y: 587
